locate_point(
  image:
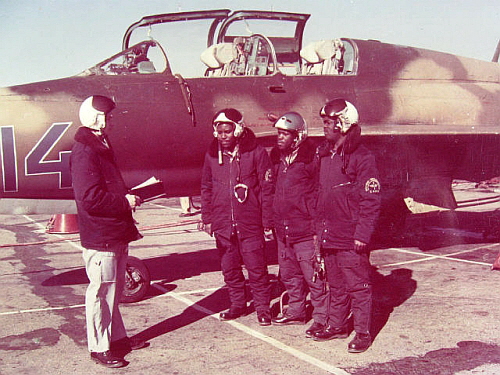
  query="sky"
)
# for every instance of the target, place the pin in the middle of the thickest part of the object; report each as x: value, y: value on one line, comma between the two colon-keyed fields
x: 49, y: 39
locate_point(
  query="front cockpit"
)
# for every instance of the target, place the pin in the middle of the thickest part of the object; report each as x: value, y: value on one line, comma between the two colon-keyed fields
x: 146, y: 57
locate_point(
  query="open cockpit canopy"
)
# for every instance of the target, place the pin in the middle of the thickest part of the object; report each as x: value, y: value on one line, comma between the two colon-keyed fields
x: 146, y: 57
x: 221, y: 43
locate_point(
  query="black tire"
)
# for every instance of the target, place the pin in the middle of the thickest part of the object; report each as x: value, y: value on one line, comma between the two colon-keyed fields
x: 137, y: 281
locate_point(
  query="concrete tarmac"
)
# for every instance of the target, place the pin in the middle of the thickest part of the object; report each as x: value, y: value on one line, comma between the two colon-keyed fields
x: 435, y: 311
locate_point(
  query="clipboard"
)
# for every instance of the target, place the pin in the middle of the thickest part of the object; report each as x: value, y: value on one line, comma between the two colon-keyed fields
x: 149, y: 190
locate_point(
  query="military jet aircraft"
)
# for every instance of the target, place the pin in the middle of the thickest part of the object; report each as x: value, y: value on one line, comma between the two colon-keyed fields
x: 430, y: 117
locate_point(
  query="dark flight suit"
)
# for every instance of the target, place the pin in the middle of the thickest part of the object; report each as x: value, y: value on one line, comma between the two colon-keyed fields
x: 294, y: 204
x: 348, y: 207
x: 238, y: 225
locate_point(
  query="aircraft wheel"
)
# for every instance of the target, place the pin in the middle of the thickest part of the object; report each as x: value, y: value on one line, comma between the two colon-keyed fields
x: 137, y: 281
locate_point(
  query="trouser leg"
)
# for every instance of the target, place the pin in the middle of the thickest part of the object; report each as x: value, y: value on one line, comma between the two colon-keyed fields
x: 231, y: 270
x: 359, y: 286
x: 104, y: 321
x: 339, y: 297
x: 293, y: 280
x: 304, y: 252
x: 118, y: 330
x: 252, y: 253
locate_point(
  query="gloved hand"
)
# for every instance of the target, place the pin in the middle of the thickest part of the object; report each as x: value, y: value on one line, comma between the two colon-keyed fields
x: 319, y: 268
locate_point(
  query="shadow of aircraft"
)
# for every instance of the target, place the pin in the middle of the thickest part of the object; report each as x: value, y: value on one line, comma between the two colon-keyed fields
x: 429, y: 231
x: 166, y: 269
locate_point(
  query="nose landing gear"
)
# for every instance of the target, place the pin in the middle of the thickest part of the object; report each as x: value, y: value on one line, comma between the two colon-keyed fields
x: 137, y: 281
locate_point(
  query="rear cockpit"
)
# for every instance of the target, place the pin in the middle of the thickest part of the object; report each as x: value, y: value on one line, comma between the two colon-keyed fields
x: 256, y: 55
x: 244, y: 56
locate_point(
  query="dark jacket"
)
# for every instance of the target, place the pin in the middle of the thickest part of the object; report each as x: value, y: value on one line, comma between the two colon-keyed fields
x: 104, y: 214
x: 219, y: 205
x: 349, y: 195
x: 295, y: 194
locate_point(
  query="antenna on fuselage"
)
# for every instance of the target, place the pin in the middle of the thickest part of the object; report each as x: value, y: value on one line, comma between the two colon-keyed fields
x: 497, y: 53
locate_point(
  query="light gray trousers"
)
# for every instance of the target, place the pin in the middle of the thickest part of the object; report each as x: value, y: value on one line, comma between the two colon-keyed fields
x: 106, y: 272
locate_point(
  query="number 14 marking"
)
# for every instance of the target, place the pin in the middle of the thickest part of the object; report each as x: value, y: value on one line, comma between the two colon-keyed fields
x: 35, y: 162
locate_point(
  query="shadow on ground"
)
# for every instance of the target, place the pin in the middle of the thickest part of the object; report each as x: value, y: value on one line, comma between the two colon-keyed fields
x: 165, y: 269
x: 468, y: 355
x: 390, y: 292
x: 433, y: 230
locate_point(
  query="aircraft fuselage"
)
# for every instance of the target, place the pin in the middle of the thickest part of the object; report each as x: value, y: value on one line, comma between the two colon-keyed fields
x: 424, y: 113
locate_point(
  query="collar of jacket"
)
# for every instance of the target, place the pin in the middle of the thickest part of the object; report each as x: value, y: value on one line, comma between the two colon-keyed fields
x: 247, y: 142
x: 350, y: 145
x: 87, y: 137
x: 304, y: 155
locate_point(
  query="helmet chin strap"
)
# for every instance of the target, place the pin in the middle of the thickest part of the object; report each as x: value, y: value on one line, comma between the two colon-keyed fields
x: 346, y: 125
x: 99, y: 125
x: 298, y: 140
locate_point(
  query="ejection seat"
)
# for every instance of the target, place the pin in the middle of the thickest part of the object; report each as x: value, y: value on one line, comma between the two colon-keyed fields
x: 146, y: 67
x: 245, y: 56
x: 218, y: 58
x: 323, y: 57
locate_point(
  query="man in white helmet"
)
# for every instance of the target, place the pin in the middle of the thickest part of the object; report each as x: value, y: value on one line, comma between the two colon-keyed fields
x: 106, y: 227
x: 296, y: 174
x: 236, y: 199
x: 348, y: 208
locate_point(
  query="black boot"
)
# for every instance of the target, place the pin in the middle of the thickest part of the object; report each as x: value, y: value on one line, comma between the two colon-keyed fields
x: 233, y: 313
x: 360, y: 343
x: 287, y: 320
x: 330, y: 333
x: 315, y: 327
x: 264, y: 318
x: 108, y: 359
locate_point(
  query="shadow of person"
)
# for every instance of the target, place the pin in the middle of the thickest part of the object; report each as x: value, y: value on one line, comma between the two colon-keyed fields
x: 213, y: 303
x: 181, y: 266
x: 389, y: 292
x: 164, y: 271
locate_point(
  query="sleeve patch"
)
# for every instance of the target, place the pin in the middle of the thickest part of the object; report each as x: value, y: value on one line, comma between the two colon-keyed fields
x: 372, y: 186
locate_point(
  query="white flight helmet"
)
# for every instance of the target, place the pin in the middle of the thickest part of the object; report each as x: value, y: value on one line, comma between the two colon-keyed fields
x: 92, y: 107
x: 229, y: 116
x: 294, y: 122
x: 342, y: 110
